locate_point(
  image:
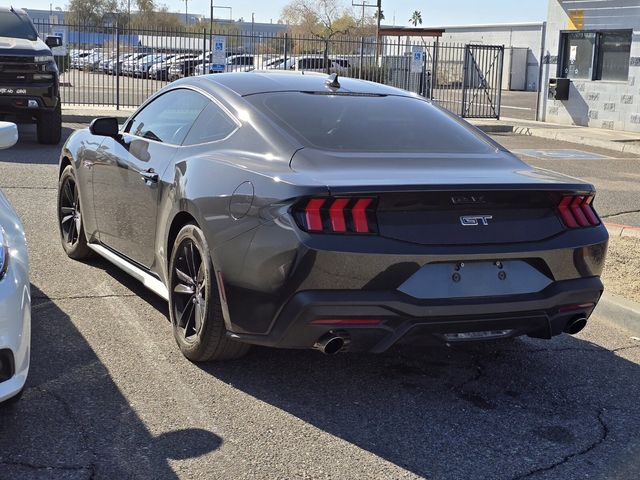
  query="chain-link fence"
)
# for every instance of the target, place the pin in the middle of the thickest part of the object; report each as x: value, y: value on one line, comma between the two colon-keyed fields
x: 121, y: 67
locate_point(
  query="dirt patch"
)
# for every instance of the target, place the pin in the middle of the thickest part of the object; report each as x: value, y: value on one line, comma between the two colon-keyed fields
x: 622, y: 268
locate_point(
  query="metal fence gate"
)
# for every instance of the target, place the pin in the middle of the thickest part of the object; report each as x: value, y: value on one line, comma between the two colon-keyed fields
x: 467, y: 79
x: 97, y: 67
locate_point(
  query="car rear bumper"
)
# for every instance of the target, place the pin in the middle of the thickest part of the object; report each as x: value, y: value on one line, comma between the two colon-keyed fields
x: 373, y: 321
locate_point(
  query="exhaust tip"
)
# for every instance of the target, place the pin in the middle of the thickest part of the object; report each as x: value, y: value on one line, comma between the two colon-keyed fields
x: 332, y: 343
x: 575, y: 325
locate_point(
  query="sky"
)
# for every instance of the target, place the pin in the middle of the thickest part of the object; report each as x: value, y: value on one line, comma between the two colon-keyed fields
x: 434, y: 12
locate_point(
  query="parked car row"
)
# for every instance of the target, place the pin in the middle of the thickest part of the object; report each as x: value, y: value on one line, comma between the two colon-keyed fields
x: 172, y: 66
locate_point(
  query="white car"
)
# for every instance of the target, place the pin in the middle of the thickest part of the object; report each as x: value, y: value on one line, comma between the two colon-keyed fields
x: 15, y: 293
x: 310, y: 63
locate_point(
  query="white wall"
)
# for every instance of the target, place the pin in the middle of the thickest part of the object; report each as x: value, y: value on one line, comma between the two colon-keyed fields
x: 603, y: 104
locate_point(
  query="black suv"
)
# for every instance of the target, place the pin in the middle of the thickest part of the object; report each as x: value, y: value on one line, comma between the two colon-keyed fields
x: 29, y: 81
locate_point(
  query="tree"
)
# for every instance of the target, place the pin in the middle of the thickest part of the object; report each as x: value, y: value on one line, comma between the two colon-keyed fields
x: 323, y: 19
x: 92, y: 12
x: 153, y: 15
x: 416, y: 18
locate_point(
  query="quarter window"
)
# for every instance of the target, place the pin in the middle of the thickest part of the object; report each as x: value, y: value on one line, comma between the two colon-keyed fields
x: 169, y: 117
x: 212, y: 125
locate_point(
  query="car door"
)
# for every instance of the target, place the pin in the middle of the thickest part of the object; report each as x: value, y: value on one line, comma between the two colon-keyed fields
x: 127, y: 179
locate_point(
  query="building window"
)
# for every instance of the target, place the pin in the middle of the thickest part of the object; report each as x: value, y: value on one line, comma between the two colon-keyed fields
x: 602, y: 55
x: 613, y: 58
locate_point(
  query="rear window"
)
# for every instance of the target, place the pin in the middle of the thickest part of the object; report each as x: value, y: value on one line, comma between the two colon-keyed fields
x: 367, y: 123
x: 14, y: 25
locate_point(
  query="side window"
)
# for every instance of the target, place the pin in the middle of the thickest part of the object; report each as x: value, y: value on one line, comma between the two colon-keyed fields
x: 213, y: 124
x: 169, y: 117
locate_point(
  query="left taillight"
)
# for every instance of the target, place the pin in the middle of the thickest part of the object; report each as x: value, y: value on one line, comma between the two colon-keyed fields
x: 338, y: 215
x: 576, y: 211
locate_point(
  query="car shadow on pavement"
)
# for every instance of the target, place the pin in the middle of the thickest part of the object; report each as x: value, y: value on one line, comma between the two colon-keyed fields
x: 511, y: 409
x: 515, y: 409
x: 74, y: 422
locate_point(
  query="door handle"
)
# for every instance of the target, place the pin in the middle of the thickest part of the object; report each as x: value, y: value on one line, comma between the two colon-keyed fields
x: 149, y: 176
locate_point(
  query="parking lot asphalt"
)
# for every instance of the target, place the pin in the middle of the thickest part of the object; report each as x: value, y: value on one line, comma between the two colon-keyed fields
x: 110, y: 396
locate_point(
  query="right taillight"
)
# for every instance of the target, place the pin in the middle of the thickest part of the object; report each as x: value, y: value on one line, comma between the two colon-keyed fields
x: 337, y: 215
x: 576, y: 211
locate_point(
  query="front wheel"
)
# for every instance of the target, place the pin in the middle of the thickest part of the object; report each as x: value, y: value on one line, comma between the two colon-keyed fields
x: 194, y: 301
x: 72, y: 237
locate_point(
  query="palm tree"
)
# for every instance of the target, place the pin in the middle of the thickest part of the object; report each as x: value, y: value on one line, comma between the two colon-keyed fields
x: 416, y: 18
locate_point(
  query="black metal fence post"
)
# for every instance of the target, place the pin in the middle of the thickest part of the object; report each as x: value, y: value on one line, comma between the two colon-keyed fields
x: 286, y: 49
x: 204, y: 50
x: 117, y: 60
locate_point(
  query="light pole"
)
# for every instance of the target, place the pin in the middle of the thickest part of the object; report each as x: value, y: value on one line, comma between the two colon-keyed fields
x: 186, y: 12
x: 377, y: 30
x: 211, y: 19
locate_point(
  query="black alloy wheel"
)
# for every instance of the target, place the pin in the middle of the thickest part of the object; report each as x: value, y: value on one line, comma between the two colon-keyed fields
x: 194, y: 301
x: 189, y: 291
x: 72, y: 234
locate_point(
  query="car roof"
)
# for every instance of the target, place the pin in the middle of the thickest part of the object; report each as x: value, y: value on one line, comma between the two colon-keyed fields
x: 270, y: 81
x: 9, y: 9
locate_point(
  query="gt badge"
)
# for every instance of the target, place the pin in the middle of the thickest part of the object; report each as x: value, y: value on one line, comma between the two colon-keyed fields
x: 475, y: 220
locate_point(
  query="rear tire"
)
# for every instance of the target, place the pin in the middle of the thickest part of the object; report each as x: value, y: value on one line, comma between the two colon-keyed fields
x: 70, y: 222
x: 194, y: 301
x: 49, y: 126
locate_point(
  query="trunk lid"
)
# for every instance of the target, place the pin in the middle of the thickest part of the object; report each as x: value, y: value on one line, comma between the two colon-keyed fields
x: 448, y: 199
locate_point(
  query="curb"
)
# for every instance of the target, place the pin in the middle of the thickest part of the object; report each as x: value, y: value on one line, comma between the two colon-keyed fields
x: 620, y: 312
x: 496, y: 128
x: 617, y: 230
x: 576, y: 136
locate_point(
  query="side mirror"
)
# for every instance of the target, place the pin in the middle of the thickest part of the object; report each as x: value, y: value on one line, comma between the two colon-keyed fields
x: 105, y: 127
x: 53, y: 41
x: 8, y: 134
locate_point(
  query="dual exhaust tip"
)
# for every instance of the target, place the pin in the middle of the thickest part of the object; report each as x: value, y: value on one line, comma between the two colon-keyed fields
x: 333, y: 342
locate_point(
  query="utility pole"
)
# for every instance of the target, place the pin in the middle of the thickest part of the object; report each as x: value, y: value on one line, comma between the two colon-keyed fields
x: 186, y: 12
x: 211, y: 20
x: 377, y: 30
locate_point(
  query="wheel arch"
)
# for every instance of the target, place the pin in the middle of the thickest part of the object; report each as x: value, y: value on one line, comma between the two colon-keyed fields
x: 65, y: 161
x: 181, y: 219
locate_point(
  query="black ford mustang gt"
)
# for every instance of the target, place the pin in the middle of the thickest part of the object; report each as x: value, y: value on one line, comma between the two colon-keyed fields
x: 297, y: 211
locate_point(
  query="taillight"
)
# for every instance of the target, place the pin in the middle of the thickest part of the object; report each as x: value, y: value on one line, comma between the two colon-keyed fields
x: 337, y: 215
x: 576, y: 211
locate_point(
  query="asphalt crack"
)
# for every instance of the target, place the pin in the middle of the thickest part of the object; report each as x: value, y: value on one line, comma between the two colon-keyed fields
x: 86, y: 442
x: 34, y: 466
x: 44, y: 300
x: 604, y: 433
x: 28, y: 188
x: 621, y: 213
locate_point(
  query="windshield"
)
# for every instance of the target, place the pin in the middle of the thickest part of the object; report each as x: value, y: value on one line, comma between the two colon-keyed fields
x: 15, y: 25
x: 369, y: 123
